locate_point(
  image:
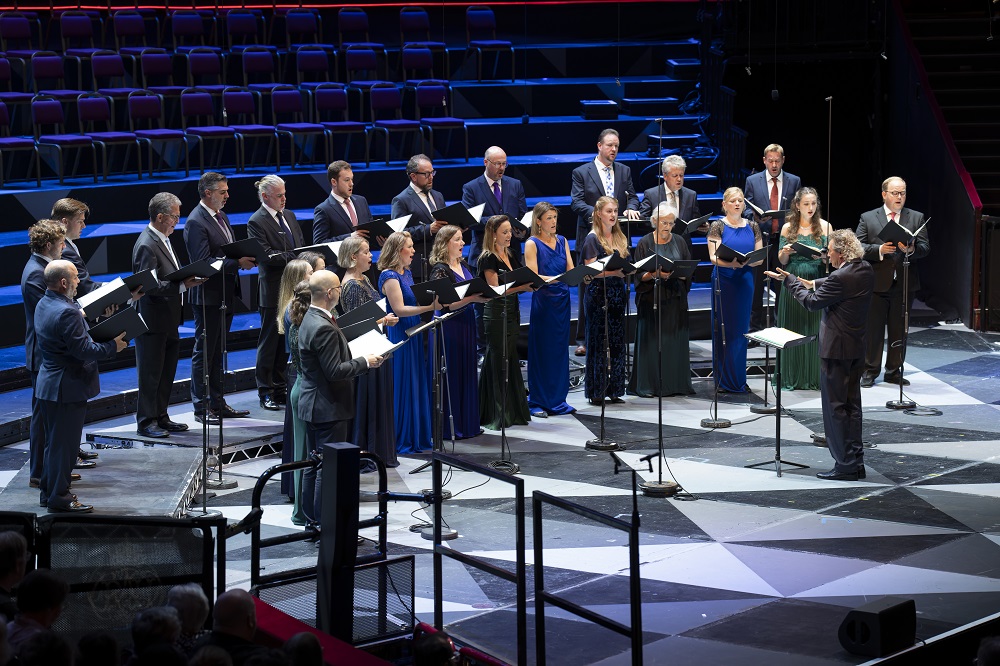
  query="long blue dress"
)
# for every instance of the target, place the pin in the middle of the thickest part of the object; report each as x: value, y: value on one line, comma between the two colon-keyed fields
x: 598, y: 384
x: 734, y: 303
x: 460, y: 355
x: 411, y: 387
x: 548, y: 334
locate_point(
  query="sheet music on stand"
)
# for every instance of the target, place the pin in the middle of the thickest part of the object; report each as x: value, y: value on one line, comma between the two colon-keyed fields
x: 374, y: 343
x: 782, y: 338
x: 420, y: 328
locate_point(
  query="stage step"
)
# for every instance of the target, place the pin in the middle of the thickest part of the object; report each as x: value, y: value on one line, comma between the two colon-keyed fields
x: 598, y: 109
x: 685, y: 69
x: 649, y: 106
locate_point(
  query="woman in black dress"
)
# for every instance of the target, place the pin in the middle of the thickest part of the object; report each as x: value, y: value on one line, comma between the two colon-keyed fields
x: 668, y: 322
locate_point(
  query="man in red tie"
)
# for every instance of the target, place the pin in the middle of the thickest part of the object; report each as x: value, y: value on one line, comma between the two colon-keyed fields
x: 887, y: 260
x: 770, y: 189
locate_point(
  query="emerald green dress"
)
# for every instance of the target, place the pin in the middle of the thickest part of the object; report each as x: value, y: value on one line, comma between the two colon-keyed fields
x: 800, y: 365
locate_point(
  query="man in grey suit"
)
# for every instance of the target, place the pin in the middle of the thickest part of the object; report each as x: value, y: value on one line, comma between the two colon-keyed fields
x: 887, y: 260
x: 67, y: 379
x: 340, y: 213
x: 770, y: 189
x: 844, y: 296
x: 420, y: 200
x: 326, y: 396
x: 682, y: 201
x: 278, y: 232
x: 591, y: 181
x: 157, y: 350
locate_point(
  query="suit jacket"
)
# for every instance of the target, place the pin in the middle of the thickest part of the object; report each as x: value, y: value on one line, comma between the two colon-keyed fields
x: 32, y: 291
x: 758, y: 191
x: 332, y: 223
x: 326, y: 389
x: 408, y: 203
x: 870, y: 225
x: 588, y: 187
x: 159, y: 307
x: 69, y: 355
x: 514, y: 206
x: 204, y: 239
x: 844, y: 296
x: 687, y: 202
x: 278, y: 247
x: 87, y: 284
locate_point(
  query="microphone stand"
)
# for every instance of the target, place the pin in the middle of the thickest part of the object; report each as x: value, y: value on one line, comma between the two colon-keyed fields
x: 714, y: 421
x: 505, y: 464
x: 902, y: 403
x: 442, y: 385
x: 602, y: 443
x: 765, y: 408
x: 220, y: 483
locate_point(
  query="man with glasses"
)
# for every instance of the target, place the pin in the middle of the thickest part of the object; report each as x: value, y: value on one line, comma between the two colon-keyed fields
x: 887, y: 260
x: 770, y: 189
x: 206, y: 230
x: 420, y: 200
x: 156, y: 351
x: 278, y: 232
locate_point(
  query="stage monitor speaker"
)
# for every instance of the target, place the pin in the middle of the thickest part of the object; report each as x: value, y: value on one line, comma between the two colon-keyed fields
x: 880, y: 627
x: 338, y: 544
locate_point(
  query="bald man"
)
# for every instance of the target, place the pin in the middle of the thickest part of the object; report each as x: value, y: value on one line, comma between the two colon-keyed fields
x: 234, y: 624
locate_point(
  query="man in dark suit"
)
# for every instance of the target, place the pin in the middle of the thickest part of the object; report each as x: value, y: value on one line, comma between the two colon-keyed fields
x: 156, y: 351
x: 887, y: 260
x: 683, y: 201
x: 278, y: 232
x: 844, y: 296
x: 326, y: 390
x: 67, y: 379
x: 591, y: 181
x: 770, y: 189
x: 45, y: 240
x: 73, y: 215
x: 340, y: 213
x: 420, y: 200
x: 206, y: 230
x: 503, y: 195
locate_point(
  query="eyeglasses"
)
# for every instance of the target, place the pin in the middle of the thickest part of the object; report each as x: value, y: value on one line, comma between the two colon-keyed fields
x: 897, y: 193
x: 425, y: 174
x: 499, y: 165
x: 171, y: 216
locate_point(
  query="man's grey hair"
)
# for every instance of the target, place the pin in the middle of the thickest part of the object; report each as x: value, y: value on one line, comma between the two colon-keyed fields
x: 162, y: 203
x: 847, y: 244
x: 673, y: 162
x: 191, y: 604
x: 413, y: 164
x: 266, y: 184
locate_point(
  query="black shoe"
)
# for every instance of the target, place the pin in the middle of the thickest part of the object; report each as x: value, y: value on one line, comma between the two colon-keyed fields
x: 88, y: 455
x: 172, y: 426
x: 834, y: 475
x: 597, y: 402
x: 72, y: 507
x: 230, y: 413
x: 867, y: 381
x: 618, y: 401
x: 84, y: 464
x: 33, y: 482
x: 74, y: 477
x: 539, y: 414
x: 44, y: 501
x: 153, y: 430
x: 210, y: 417
x: 268, y: 403
x: 894, y: 378
x: 861, y: 471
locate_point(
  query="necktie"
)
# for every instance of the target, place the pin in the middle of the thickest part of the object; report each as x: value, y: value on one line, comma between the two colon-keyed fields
x: 223, y: 227
x: 673, y: 199
x: 496, y: 193
x: 609, y: 185
x: 170, y: 251
x: 892, y: 216
x: 774, y: 203
x: 430, y: 202
x: 350, y: 211
x: 284, y: 227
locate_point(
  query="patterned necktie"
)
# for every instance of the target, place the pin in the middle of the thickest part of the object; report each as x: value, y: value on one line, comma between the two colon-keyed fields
x: 284, y: 227
x: 609, y: 185
x: 496, y: 193
x: 430, y: 202
x: 892, y: 216
x: 350, y: 211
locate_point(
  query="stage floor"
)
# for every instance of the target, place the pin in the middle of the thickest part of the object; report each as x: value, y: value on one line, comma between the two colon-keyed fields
x: 755, y: 569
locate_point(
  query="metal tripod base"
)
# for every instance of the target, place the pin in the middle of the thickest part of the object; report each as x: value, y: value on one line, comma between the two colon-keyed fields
x: 716, y: 423
x: 900, y: 404
x: 658, y: 488
x: 221, y: 484
x: 763, y: 409
x: 446, y: 534
x: 598, y: 444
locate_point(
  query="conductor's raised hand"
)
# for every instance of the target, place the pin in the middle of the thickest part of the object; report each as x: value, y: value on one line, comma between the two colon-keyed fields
x: 776, y: 274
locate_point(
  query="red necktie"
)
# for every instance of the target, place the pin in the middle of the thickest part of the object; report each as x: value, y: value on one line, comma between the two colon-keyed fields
x: 892, y: 216
x: 774, y: 204
x: 350, y: 211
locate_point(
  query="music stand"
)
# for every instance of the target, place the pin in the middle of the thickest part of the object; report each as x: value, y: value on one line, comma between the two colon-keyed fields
x: 779, y: 339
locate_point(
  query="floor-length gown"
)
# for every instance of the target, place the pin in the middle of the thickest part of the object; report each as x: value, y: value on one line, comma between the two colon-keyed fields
x: 598, y: 384
x: 548, y: 334
x: 501, y: 342
x: 411, y: 388
x: 374, y: 415
x: 671, y: 317
x: 800, y: 365
x: 731, y: 308
x: 459, y: 337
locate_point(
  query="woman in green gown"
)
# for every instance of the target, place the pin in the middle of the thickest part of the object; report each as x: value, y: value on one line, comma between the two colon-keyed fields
x: 803, y: 224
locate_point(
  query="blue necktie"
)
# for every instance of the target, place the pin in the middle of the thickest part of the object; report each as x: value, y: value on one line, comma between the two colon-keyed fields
x: 284, y: 227
x: 609, y: 186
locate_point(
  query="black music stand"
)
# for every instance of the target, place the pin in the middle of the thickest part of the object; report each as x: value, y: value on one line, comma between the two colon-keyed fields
x: 779, y: 339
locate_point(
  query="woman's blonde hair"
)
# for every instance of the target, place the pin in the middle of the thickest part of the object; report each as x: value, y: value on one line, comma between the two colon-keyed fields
x: 295, y: 271
x: 618, y: 240
x: 394, y: 244
x: 349, y: 248
x: 439, y: 253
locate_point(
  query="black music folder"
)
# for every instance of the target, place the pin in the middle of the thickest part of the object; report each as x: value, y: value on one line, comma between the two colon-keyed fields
x: 204, y: 268
x: 683, y: 227
x: 894, y: 232
x: 459, y: 215
x: 248, y: 247
x: 328, y: 250
x: 370, y: 311
x: 576, y: 275
x: 126, y: 320
x: 680, y: 268
x: 443, y: 288
x: 145, y: 279
x: 383, y: 228
x: 766, y: 213
x: 727, y: 253
x: 808, y: 250
x: 110, y: 293
x: 476, y: 285
x: 521, y: 276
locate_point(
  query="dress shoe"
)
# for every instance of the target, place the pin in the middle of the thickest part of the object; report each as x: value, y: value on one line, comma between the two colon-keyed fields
x: 230, y: 413
x: 88, y: 455
x: 153, y: 430
x: 209, y: 417
x: 580, y: 351
x: 861, y: 471
x: 268, y: 403
x: 72, y: 507
x: 894, y: 378
x: 75, y: 477
x: 597, y: 402
x: 618, y: 401
x: 84, y: 464
x: 539, y: 414
x: 172, y: 426
x: 44, y: 501
x: 867, y: 381
x: 834, y: 475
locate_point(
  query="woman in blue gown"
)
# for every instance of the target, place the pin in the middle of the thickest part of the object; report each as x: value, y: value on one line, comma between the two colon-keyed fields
x: 606, y: 236
x: 459, y: 335
x: 411, y: 389
x: 374, y: 415
x: 547, y: 254
x: 731, y: 306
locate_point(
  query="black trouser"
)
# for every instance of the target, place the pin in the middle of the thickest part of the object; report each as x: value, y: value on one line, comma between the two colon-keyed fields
x: 886, y: 312
x: 208, y: 353
x: 840, y: 389
x: 156, y: 364
x: 312, y: 479
x: 272, y: 359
